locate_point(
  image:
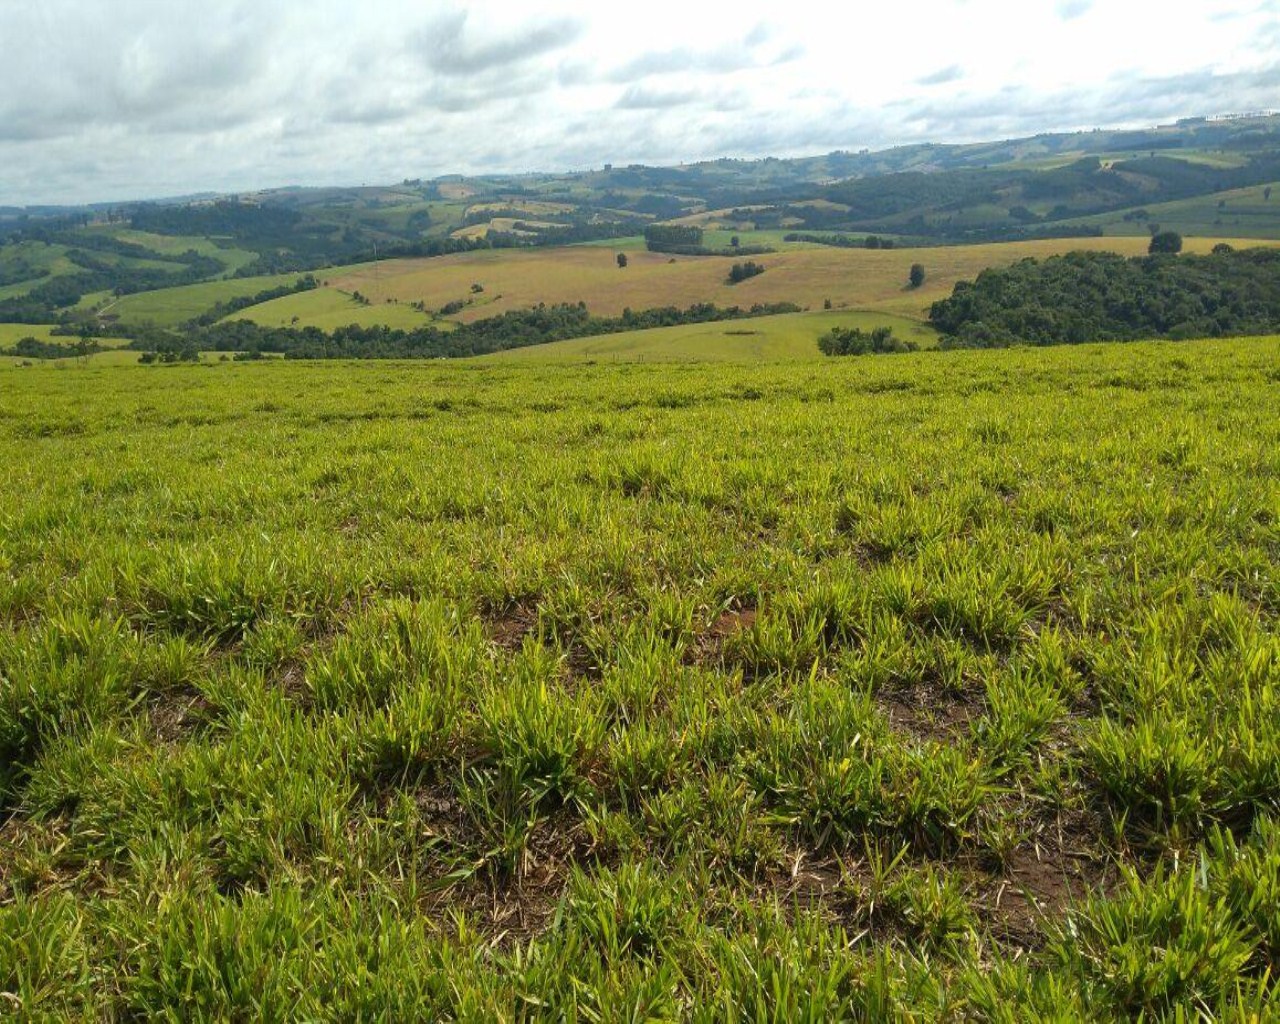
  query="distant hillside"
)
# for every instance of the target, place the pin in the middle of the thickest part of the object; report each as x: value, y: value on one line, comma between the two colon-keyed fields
x: 1205, y: 177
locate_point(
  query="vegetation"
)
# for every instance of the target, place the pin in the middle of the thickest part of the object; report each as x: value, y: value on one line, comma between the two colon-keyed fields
x: 941, y: 686
x: 1091, y: 296
x: 237, y: 303
x: 852, y: 341
x: 783, y: 337
x: 915, y: 276
x: 516, y: 329
x: 841, y: 241
x: 1166, y: 242
x: 34, y: 348
x: 1209, y: 180
x: 677, y: 238
x: 740, y: 272
x: 520, y: 278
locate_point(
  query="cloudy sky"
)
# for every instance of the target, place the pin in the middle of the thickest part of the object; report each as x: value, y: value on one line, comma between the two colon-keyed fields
x: 119, y: 99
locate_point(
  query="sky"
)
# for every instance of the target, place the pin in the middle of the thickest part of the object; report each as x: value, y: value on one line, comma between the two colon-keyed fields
x: 110, y: 100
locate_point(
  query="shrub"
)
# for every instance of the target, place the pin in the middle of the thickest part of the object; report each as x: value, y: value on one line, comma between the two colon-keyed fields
x: 852, y: 341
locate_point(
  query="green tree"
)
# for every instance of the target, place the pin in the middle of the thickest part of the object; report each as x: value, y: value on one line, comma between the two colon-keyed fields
x: 917, y: 275
x: 1165, y: 242
x: 622, y: 259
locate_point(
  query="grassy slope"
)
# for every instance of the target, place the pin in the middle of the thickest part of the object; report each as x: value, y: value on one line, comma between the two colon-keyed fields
x: 915, y: 685
x: 39, y: 255
x: 855, y: 278
x: 788, y: 337
x: 112, y: 357
x: 175, y: 245
x: 169, y: 307
x: 1246, y: 215
x: 328, y: 308
x: 11, y: 333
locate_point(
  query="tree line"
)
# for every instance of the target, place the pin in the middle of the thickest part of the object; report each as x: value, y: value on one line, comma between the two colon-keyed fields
x: 1094, y: 296
x: 514, y: 329
x: 853, y: 341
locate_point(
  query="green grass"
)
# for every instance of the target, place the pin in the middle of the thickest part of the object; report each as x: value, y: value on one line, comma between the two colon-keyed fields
x: 39, y: 255
x: 169, y: 307
x: 13, y: 333
x: 176, y: 245
x: 111, y: 357
x: 775, y: 239
x: 939, y: 686
x: 1244, y: 214
x: 787, y: 337
x: 329, y: 309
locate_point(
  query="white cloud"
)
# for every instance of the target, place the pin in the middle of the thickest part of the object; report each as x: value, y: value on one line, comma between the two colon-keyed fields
x: 148, y: 97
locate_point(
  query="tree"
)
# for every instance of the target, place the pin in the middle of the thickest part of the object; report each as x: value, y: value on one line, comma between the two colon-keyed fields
x: 1165, y: 242
x: 1266, y: 193
x: 622, y: 259
x: 917, y: 275
x: 739, y: 272
x: 735, y: 241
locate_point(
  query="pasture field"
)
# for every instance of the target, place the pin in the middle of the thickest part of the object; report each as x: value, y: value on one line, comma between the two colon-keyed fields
x: 1244, y: 212
x: 852, y: 278
x: 786, y: 337
x: 38, y: 255
x: 176, y: 245
x: 329, y: 309
x: 13, y: 333
x: 169, y: 307
x: 111, y: 357
x: 942, y: 685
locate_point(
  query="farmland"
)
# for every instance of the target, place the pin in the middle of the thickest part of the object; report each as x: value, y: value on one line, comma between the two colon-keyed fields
x: 1246, y: 212
x: 936, y: 684
x: 785, y: 337
x: 329, y: 308
x: 853, y: 278
x: 169, y: 307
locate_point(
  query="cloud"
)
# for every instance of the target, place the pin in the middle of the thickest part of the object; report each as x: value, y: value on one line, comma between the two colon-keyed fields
x: 1069, y: 10
x: 721, y: 60
x: 447, y: 48
x: 942, y: 76
x: 638, y: 97
x: 140, y: 98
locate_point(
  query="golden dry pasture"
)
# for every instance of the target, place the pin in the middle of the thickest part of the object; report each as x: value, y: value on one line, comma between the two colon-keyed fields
x: 850, y: 278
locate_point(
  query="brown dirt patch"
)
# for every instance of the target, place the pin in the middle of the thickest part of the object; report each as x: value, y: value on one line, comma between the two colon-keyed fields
x: 509, y: 907
x: 177, y: 715
x: 508, y: 628
x: 292, y: 680
x: 707, y: 647
x: 930, y: 712
x: 1058, y: 868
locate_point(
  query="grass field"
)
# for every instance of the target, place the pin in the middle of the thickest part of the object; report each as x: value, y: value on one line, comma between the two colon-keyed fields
x: 13, y: 333
x: 1245, y: 213
x: 328, y: 309
x: 111, y: 357
x: 854, y: 278
x: 170, y: 307
x: 787, y: 337
x: 933, y: 686
x: 176, y: 245
x: 39, y: 255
